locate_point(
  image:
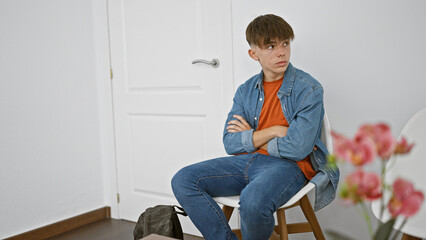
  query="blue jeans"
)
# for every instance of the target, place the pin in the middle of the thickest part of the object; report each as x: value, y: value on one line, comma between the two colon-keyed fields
x: 263, y: 182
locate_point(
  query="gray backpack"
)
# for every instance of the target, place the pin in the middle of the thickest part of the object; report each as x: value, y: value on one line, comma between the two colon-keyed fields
x: 161, y: 220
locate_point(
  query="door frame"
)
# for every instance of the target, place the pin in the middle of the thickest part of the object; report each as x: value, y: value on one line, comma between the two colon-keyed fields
x: 105, y: 105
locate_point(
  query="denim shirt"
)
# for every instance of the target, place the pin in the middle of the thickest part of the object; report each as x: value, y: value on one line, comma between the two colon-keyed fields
x: 301, y: 98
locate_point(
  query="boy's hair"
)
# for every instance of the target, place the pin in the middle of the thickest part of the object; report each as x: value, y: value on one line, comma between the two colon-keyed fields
x: 268, y: 27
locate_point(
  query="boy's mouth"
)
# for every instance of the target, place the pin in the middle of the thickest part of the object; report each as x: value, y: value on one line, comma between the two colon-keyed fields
x: 282, y: 63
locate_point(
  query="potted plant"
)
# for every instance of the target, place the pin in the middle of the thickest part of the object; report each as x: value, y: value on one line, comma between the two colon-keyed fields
x: 361, y: 187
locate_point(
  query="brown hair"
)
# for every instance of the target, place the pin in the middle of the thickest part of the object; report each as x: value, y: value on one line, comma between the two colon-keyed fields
x: 268, y: 27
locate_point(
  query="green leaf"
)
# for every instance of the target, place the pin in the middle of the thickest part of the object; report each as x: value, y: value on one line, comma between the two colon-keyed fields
x: 384, y: 231
x: 334, y: 235
x: 332, y: 162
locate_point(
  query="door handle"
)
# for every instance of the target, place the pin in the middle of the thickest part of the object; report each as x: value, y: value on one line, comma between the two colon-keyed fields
x: 214, y: 62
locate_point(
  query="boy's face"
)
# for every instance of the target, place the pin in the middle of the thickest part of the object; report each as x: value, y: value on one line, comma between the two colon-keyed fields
x: 274, y: 58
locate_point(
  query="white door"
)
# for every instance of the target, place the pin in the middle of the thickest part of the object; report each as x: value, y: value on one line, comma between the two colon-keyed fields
x: 169, y: 112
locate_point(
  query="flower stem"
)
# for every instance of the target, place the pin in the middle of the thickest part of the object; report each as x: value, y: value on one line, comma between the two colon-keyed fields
x: 367, y: 218
x: 399, y: 229
x: 382, y: 201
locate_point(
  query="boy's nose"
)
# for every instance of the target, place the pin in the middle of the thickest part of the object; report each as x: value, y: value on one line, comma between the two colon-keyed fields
x: 281, y: 51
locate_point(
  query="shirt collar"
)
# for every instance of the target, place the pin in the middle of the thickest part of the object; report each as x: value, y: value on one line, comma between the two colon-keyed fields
x: 288, y: 81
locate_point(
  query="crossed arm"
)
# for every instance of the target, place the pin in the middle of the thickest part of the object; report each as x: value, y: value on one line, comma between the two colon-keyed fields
x: 260, y: 137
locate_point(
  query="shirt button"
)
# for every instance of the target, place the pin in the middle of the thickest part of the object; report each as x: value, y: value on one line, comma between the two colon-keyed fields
x: 260, y: 99
x: 255, y: 118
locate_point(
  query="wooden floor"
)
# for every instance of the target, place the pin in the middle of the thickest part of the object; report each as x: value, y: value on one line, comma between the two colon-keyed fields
x: 108, y: 229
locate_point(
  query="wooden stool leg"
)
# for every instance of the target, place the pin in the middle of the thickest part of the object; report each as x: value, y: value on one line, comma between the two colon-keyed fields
x: 274, y: 236
x: 408, y: 237
x: 282, y: 224
x: 306, y: 207
x: 227, y: 210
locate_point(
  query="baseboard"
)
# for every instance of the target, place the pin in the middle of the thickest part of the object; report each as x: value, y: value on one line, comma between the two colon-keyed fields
x: 64, y: 225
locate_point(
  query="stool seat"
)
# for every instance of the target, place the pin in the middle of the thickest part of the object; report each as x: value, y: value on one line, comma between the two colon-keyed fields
x: 232, y: 201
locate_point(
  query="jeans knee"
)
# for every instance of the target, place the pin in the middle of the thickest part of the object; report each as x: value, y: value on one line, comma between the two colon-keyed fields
x: 182, y: 181
x: 177, y: 181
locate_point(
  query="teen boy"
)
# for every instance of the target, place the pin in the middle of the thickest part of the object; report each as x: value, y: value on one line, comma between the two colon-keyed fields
x: 273, y: 131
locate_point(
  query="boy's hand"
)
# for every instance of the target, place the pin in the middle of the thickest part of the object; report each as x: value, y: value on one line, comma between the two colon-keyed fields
x: 238, y: 125
x: 262, y: 137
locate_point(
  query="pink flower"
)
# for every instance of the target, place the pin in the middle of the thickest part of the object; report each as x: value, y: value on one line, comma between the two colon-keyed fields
x: 360, y: 186
x: 405, y: 200
x: 403, y: 147
x: 381, y: 135
x: 359, y: 152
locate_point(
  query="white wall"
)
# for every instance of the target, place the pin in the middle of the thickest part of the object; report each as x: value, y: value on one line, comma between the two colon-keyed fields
x: 51, y: 150
x: 56, y: 144
x: 370, y: 57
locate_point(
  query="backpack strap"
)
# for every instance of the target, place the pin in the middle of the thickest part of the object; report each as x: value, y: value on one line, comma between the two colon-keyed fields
x: 181, y: 212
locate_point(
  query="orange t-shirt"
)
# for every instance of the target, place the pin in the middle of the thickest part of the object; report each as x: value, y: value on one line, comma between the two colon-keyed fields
x: 272, y: 114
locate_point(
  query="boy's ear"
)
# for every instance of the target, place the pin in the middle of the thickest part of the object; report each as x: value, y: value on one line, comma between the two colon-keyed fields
x: 252, y: 54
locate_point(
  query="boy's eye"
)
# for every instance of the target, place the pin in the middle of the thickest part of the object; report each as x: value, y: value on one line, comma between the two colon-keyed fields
x: 286, y: 43
x: 270, y: 47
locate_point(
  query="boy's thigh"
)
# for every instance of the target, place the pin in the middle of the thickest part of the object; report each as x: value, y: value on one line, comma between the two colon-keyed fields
x: 220, y: 176
x: 273, y: 180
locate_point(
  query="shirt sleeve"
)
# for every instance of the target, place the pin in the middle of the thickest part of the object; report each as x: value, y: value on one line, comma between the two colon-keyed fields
x: 240, y: 142
x: 303, y: 130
